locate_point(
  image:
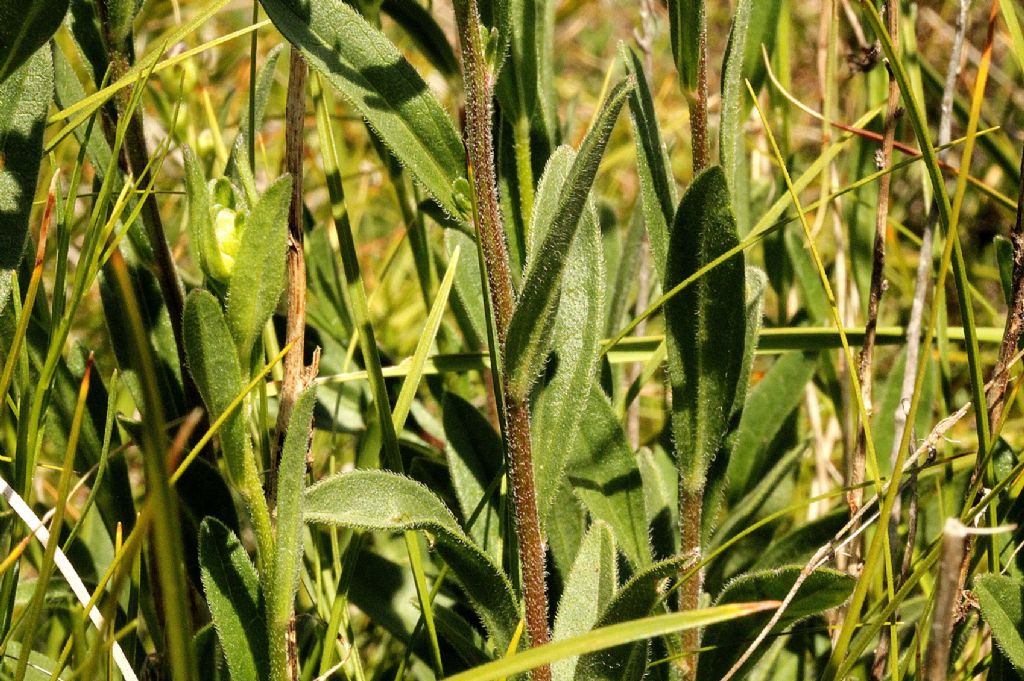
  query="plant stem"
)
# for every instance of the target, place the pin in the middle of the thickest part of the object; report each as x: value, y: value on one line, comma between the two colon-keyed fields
x: 947, y: 593
x: 698, y: 100
x: 294, y: 365
x: 691, y: 503
x: 479, y: 85
x: 867, y: 353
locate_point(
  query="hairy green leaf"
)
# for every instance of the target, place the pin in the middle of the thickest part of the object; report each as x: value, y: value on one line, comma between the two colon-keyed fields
x: 24, y: 98
x: 236, y: 603
x: 732, y: 149
x: 383, y: 501
x: 1002, y: 607
x: 291, y: 476
x: 257, y: 279
x: 588, y: 588
x: 546, y: 200
x: 604, y: 475
x: 381, y: 85
x: 705, y: 324
x: 529, y: 331
x: 213, y: 361
x: 636, y: 599
x: 823, y: 590
x: 573, y: 362
x: 201, y: 234
x: 657, y: 186
x: 686, y: 17
x: 767, y: 407
x: 25, y: 27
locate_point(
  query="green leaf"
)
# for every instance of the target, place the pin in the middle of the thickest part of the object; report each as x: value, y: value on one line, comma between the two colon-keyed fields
x: 420, y: 25
x: 201, y: 235
x: 526, y: 84
x: 686, y: 18
x: 573, y: 362
x: 213, y: 361
x: 474, y: 454
x: 636, y: 599
x: 803, y: 542
x: 530, y: 329
x: 604, y: 475
x: 291, y: 476
x: 236, y: 603
x: 732, y: 142
x: 1002, y: 607
x: 386, y: 502
x: 705, y: 325
x: 546, y: 199
x: 468, y: 302
x: 257, y: 279
x: 657, y: 186
x: 364, y: 65
x: 823, y: 590
x: 25, y: 27
x: 608, y: 637
x: 767, y: 408
x: 24, y: 99
x: 588, y: 588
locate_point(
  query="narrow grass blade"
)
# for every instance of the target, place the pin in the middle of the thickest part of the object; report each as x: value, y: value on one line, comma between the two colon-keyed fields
x: 609, y: 637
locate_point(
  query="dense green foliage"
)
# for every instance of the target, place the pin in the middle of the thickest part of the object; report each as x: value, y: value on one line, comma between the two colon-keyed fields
x: 571, y: 341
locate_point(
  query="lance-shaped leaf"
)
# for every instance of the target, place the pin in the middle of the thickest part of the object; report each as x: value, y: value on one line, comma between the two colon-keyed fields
x: 25, y: 27
x: 526, y: 87
x: 588, y: 588
x: 213, y: 361
x: 686, y: 19
x: 573, y: 362
x: 636, y: 599
x: 257, y: 279
x: 387, y: 502
x: 734, y: 93
x: 604, y: 475
x: 705, y: 325
x: 657, y: 188
x: 823, y: 590
x: 290, y: 482
x: 1002, y: 606
x: 420, y: 25
x: 232, y: 590
x: 529, y: 334
x: 366, y: 67
x: 24, y: 98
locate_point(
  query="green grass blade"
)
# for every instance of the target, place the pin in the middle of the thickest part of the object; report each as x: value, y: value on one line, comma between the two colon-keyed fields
x: 609, y: 637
